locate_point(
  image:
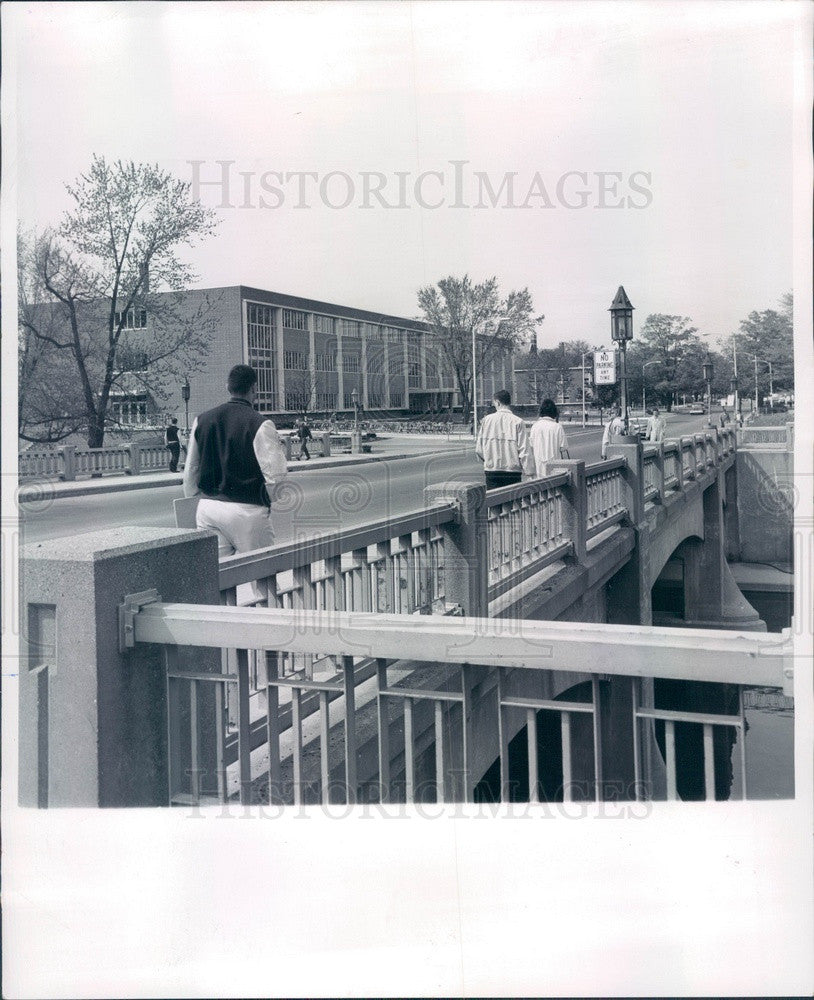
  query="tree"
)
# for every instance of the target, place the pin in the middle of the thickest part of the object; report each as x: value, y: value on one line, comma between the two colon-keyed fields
x: 458, y: 310
x: 97, y: 305
x: 769, y: 335
x: 678, y: 352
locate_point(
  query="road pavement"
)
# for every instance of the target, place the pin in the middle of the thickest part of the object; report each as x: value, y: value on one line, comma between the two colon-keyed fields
x: 314, y: 500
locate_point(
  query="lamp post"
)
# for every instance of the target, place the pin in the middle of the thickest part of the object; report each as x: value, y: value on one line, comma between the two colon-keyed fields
x: 354, y: 398
x: 771, y: 382
x: 708, y: 373
x: 644, y: 397
x: 585, y: 355
x: 185, y: 394
x: 621, y: 311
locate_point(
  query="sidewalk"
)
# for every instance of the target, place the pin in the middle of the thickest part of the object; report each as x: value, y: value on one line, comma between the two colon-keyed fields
x: 56, y: 489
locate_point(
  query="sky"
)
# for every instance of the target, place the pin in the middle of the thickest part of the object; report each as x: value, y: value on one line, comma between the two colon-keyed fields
x: 648, y: 145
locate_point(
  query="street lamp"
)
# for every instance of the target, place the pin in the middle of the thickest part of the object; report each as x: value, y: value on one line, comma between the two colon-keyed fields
x: 499, y: 320
x: 585, y: 355
x: 185, y: 394
x: 645, y: 365
x: 708, y: 373
x: 771, y: 382
x: 354, y: 398
x: 621, y: 311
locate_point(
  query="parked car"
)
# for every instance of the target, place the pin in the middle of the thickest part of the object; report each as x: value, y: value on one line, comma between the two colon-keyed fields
x: 639, y: 425
x: 696, y: 410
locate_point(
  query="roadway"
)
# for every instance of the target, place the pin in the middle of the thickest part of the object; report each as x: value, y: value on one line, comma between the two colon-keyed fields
x: 314, y: 501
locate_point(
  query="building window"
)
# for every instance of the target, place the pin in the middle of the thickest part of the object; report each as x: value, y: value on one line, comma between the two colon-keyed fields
x: 296, y: 361
x: 326, y: 400
x: 350, y: 363
x: 325, y: 363
x: 294, y: 320
x: 133, y: 319
x: 413, y: 366
x: 393, y: 334
x: 395, y: 364
x: 373, y: 331
x: 350, y: 328
x: 260, y: 337
x: 323, y: 324
x: 375, y: 361
x: 396, y: 400
x: 130, y: 411
x: 297, y: 400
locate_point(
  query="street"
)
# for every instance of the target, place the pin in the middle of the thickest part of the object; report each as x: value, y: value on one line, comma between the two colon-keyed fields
x: 313, y: 501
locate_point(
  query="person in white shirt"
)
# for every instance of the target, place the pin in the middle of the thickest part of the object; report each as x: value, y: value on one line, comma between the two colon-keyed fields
x: 614, y: 429
x: 503, y: 445
x: 547, y: 437
x: 657, y: 427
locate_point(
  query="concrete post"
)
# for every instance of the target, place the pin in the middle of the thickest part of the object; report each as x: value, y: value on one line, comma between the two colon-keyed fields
x: 576, y: 495
x: 356, y: 442
x: 628, y: 594
x: 633, y: 475
x: 325, y: 438
x: 135, y: 459
x: 712, y: 598
x: 68, y: 455
x: 660, y: 473
x: 287, y: 446
x: 465, y: 546
x: 93, y: 720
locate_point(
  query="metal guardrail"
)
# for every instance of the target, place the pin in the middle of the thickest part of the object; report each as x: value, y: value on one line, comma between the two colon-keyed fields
x: 347, y: 640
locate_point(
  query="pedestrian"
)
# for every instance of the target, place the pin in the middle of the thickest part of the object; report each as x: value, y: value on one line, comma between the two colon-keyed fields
x: 503, y: 445
x: 234, y: 459
x: 173, y: 443
x: 724, y: 417
x: 657, y: 427
x: 547, y: 437
x: 304, y: 434
x: 614, y: 429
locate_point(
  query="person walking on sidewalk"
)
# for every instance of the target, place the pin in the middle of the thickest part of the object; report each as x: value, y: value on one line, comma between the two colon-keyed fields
x: 304, y: 434
x: 658, y: 425
x: 503, y: 445
x: 547, y: 437
x: 234, y: 460
x: 173, y: 443
x: 614, y: 429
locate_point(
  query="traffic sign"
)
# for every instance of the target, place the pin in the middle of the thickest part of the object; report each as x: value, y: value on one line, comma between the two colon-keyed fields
x: 605, y: 368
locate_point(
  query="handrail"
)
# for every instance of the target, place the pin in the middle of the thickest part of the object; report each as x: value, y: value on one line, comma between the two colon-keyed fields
x: 250, y: 566
x: 754, y: 658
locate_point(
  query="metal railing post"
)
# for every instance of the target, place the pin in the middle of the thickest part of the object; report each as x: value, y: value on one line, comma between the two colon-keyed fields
x: 576, y: 494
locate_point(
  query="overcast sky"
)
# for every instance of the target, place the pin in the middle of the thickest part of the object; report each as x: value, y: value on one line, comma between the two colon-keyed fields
x: 690, y: 103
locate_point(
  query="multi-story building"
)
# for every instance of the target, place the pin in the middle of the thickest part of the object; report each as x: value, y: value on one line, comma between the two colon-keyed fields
x: 316, y: 355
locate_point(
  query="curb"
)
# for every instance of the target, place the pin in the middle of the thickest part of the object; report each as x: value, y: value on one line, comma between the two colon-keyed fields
x: 37, y: 491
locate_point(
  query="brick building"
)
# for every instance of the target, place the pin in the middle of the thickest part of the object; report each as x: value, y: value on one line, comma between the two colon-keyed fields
x: 312, y: 354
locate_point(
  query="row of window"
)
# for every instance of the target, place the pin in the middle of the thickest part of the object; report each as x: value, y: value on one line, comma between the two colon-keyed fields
x: 295, y: 319
x: 133, y: 319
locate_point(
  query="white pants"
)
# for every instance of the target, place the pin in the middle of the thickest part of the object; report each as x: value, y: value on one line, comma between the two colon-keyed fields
x: 240, y: 527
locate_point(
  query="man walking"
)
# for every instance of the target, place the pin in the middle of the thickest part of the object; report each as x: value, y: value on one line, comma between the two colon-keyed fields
x: 234, y: 458
x: 547, y: 437
x: 657, y: 427
x: 614, y: 429
x: 503, y: 445
x: 303, y: 433
x: 173, y: 443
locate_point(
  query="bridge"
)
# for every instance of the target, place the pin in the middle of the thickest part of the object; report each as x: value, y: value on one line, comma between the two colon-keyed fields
x: 489, y: 645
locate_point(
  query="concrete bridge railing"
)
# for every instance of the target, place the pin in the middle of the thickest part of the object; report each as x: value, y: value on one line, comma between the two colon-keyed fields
x: 467, y: 553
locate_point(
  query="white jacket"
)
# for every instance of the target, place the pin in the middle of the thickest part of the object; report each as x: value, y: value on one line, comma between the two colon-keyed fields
x: 503, y: 443
x: 547, y: 442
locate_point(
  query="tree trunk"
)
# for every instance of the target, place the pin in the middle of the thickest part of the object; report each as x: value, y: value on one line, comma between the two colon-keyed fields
x: 96, y: 432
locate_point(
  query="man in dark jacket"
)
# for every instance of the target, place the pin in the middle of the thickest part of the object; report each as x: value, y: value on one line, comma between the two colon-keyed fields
x: 304, y: 434
x: 173, y: 443
x: 234, y: 458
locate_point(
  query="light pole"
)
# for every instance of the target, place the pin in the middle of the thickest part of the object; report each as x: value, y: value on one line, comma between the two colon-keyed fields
x: 771, y: 381
x: 645, y: 365
x: 584, y: 356
x: 185, y: 394
x: 708, y: 373
x: 354, y: 398
x: 499, y: 320
x: 621, y: 311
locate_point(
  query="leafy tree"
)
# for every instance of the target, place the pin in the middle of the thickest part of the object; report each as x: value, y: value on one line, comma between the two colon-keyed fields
x: 769, y: 335
x: 678, y: 352
x: 97, y: 309
x: 456, y: 310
